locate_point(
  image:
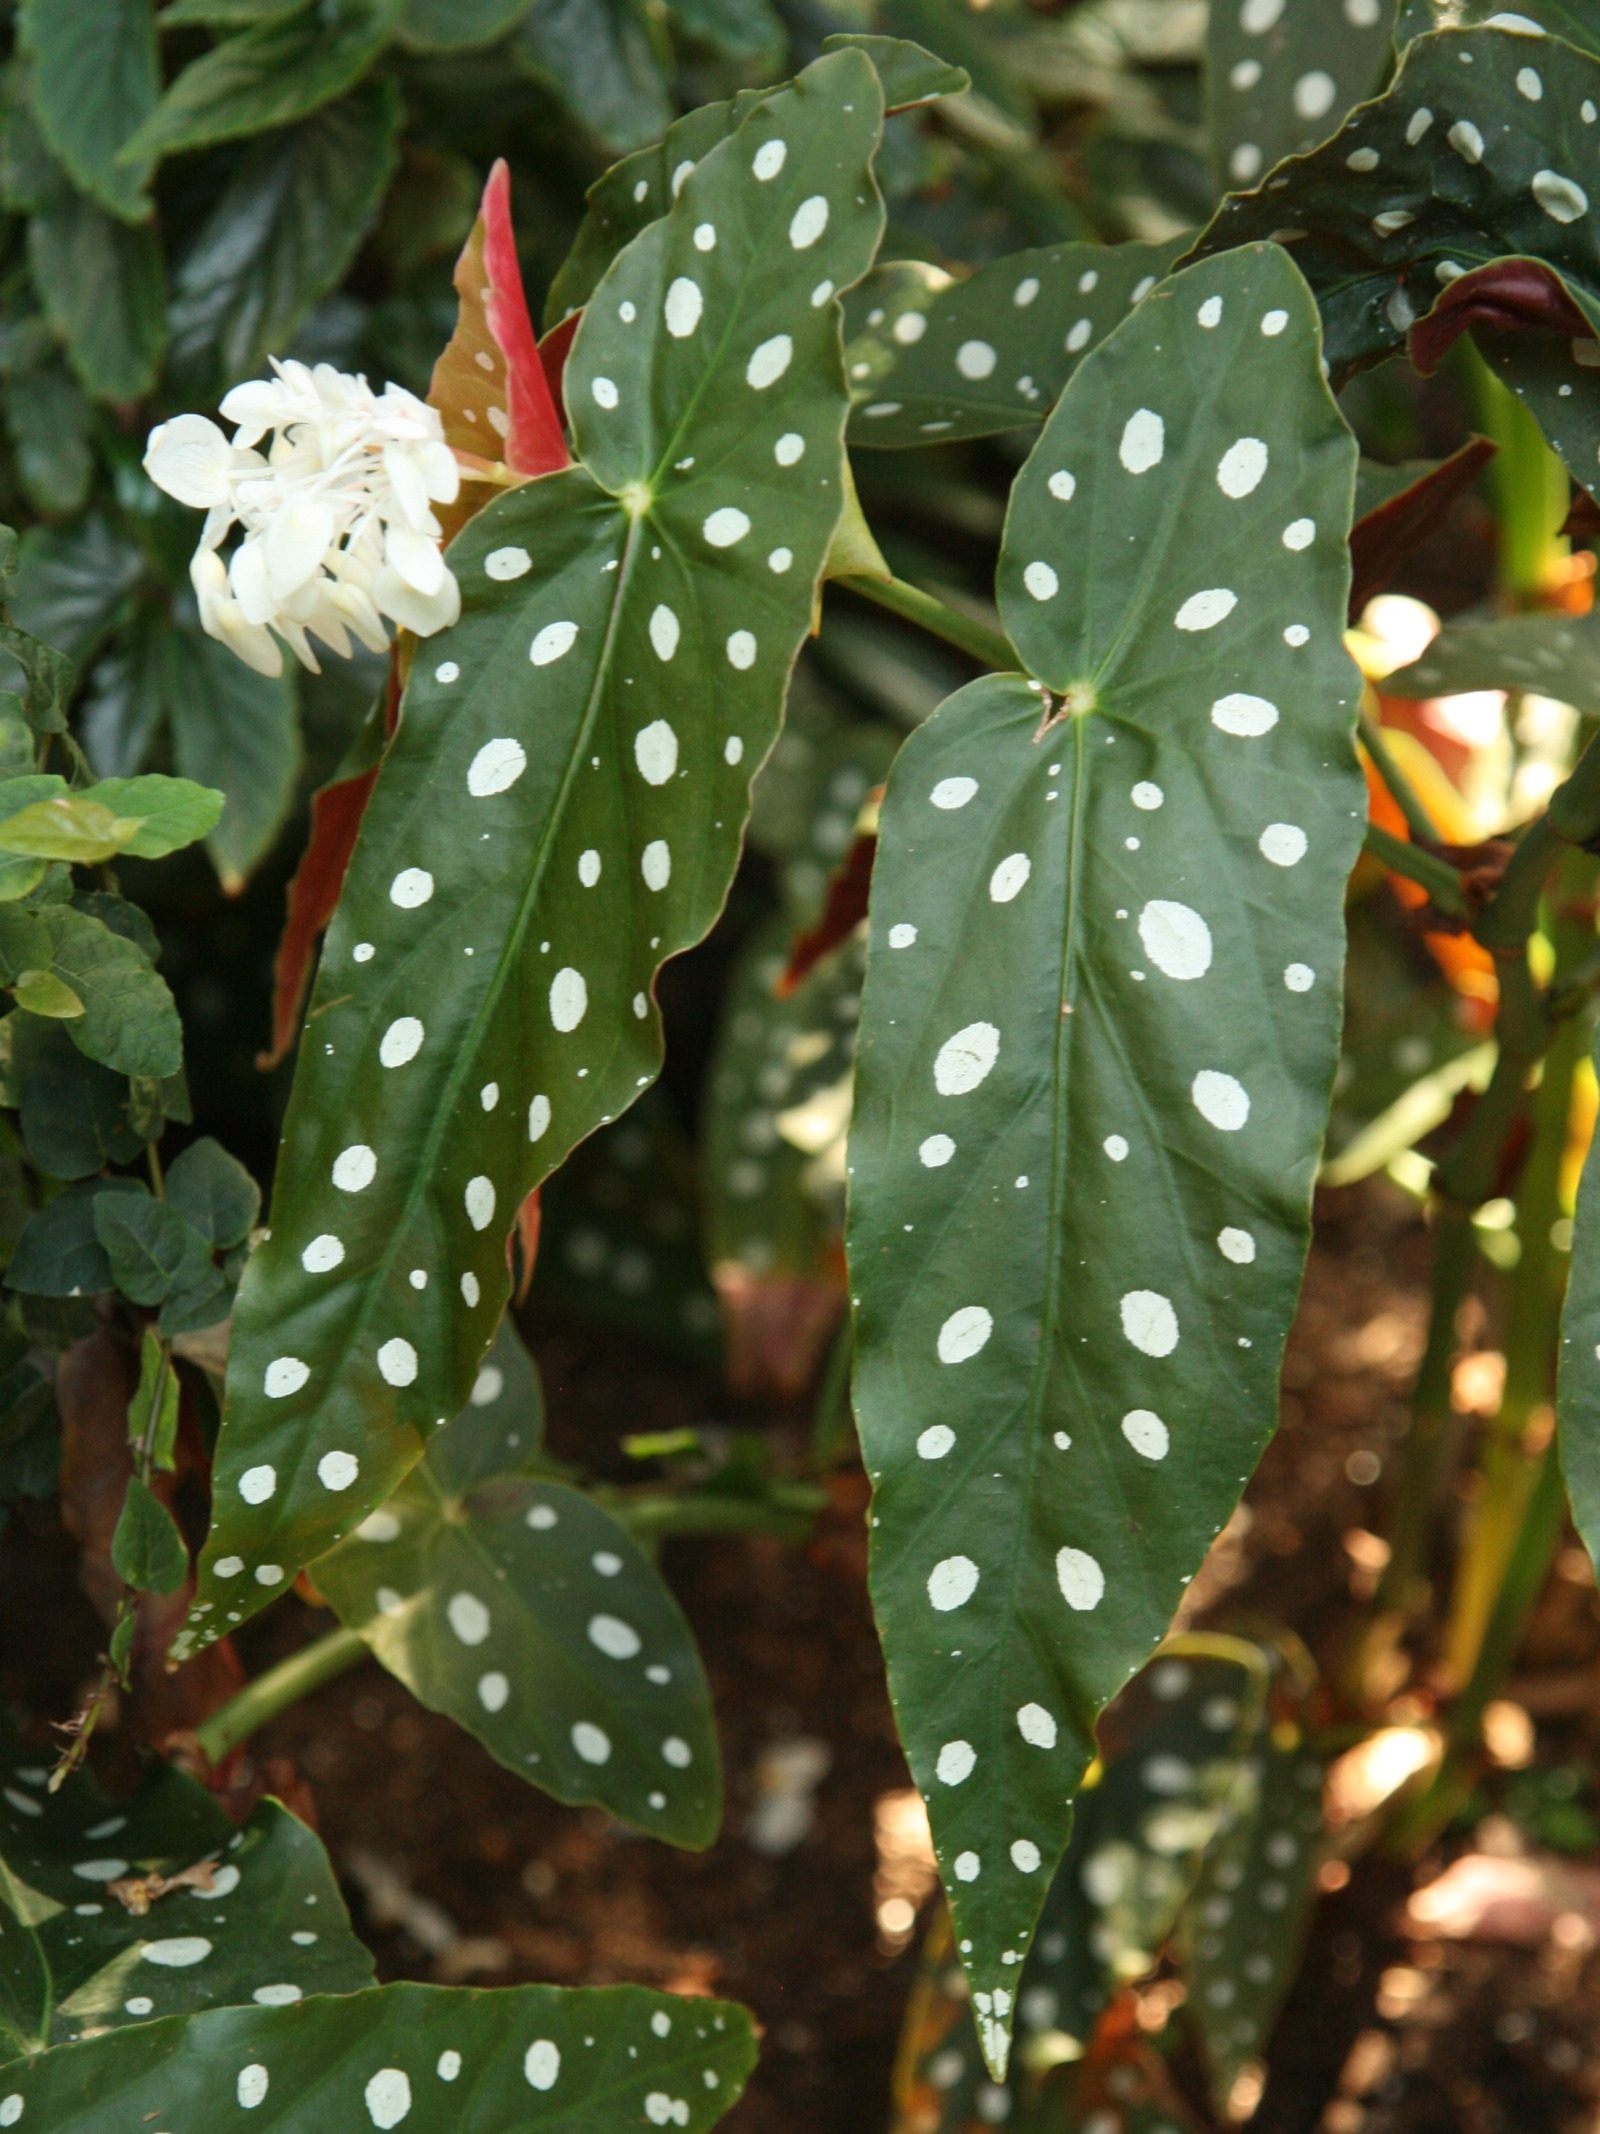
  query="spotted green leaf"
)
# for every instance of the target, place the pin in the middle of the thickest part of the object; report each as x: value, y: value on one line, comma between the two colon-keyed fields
x: 1245, y: 1925
x: 530, y: 1616
x: 440, y: 2059
x: 1553, y: 655
x: 930, y: 358
x: 560, y: 811
x: 1100, y: 1029
x: 267, y: 1926
x: 1483, y: 148
x: 1143, y: 1826
x: 1572, y: 19
x: 641, y: 188
x: 1281, y: 74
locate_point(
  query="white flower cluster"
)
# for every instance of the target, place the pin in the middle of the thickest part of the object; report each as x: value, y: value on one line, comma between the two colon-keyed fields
x: 339, y: 529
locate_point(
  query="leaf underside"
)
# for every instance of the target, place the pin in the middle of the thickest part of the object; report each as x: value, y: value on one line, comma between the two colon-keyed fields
x: 1100, y: 1028
x: 560, y: 811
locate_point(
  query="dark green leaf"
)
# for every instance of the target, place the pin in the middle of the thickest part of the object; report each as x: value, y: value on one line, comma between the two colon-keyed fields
x: 597, y: 57
x: 1571, y: 19
x: 531, y: 1617
x: 73, y: 1114
x: 1100, y: 1030
x: 48, y: 421
x: 59, y: 1253
x: 129, y: 1020
x: 1280, y: 78
x: 270, y: 1927
x: 457, y: 25
x: 510, y: 2060
x: 281, y: 235
x: 153, y: 1414
x: 147, y: 1551
x: 934, y: 359
x: 149, y: 1248
x: 72, y: 584
x: 274, y: 72
x: 745, y: 29
x: 1554, y: 655
x: 94, y: 80
x: 213, y: 1191
x: 570, y: 828
x: 238, y: 731
x: 100, y: 282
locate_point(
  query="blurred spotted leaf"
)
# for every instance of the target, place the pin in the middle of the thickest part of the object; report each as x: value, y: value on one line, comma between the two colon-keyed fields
x: 511, y: 2060
x: 559, y: 812
x: 1482, y: 149
x: 1282, y: 74
x: 251, y: 1914
x: 529, y: 1615
x: 1572, y: 19
x: 618, y: 1242
x: 1100, y: 1028
x: 777, y: 1112
x: 1143, y: 1824
x: 1245, y: 1925
x: 934, y: 359
x: 641, y: 188
x: 1552, y: 655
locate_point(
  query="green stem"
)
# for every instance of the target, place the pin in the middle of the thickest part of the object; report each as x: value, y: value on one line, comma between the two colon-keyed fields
x: 1405, y: 795
x: 279, y: 1688
x: 1426, y: 869
x: 911, y: 604
x: 1572, y: 818
x: 1529, y: 485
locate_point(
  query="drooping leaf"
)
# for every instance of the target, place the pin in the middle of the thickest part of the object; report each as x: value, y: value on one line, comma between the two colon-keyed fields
x: 1100, y: 1030
x: 1481, y: 151
x: 283, y: 231
x: 511, y: 2060
x: 266, y: 1925
x: 641, y: 188
x: 236, y: 731
x: 457, y: 25
x: 934, y: 359
x: 274, y: 72
x: 147, y: 1551
x: 153, y: 1411
x: 129, y: 1021
x: 599, y: 61
x: 564, y: 799
x: 530, y: 1616
x: 48, y: 420
x: 73, y: 1114
x: 1169, y: 1780
x: 1245, y: 1926
x: 1396, y: 507
x: 93, y: 82
x: 1282, y: 74
x: 100, y: 282
x: 1553, y: 655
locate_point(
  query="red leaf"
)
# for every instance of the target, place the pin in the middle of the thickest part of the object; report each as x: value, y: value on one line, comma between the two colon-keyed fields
x: 1507, y: 296
x: 336, y: 813
x: 1381, y: 542
x: 554, y: 348
x: 843, y: 911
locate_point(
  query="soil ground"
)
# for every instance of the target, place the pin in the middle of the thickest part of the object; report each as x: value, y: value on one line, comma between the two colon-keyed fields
x: 456, y: 1870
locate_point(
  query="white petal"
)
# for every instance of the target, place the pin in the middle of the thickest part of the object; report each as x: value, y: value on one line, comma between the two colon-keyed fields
x: 297, y: 539
x: 423, y: 613
x: 417, y: 559
x: 189, y: 458
x: 247, y: 575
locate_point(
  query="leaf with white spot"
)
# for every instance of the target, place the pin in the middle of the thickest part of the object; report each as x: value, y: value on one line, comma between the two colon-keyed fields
x: 1552, y: 655
x: 1281, y: 75
x: 1143, y: 1824
x: 931, y: 360
x: 559, y: 812
x: 642, y: 187
x: 1245, y: 1926
x: 1483, y: 151
x: 435, y: 2059
x: 1100, y: 1028
x: 268, y: 1925
x: 530, y: 1616
x: 1572, y: 19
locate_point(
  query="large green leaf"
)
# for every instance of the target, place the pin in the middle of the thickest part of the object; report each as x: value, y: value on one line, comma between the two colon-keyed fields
x: 597, y: 57
x: 129, y: 1021
x: 745, y: 29
x: 75, y: 1961
x: 1572, y: 19
x: 272, y: 73
x: 1483, y: 149
x: 237, y: 731
x: 440, y: 2059
x: 638, y: 190
x: 283, y: 230
x: 100, y: 282
x: 1281, y: 74
x: 559, y: 812
x: 932, y: 358
x: 1100, y: 1029
x: 1553, y: 655
x: 72, y: 583
x: 530, y: 1616
x: 94, y: 81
